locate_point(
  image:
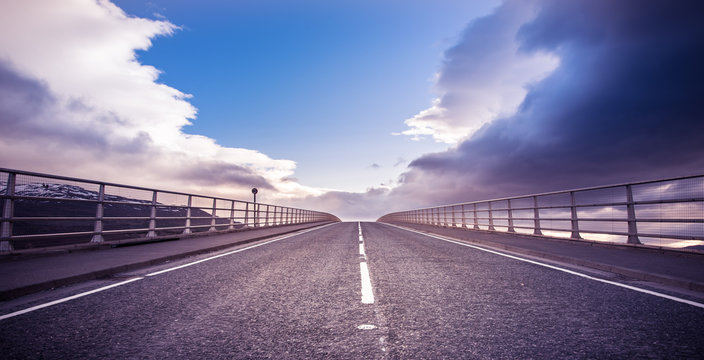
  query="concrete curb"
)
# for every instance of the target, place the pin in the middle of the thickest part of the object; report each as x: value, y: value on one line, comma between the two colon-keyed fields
x: 103, y: 273
x: 88, y: 246
x: 632, y: 273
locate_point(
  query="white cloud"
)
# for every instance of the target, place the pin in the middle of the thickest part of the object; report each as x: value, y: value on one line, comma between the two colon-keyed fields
x: 79, y: 103
x: 484, y: 77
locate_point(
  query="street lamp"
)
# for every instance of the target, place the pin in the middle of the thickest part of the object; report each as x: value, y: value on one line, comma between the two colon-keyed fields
x: 256, y: 211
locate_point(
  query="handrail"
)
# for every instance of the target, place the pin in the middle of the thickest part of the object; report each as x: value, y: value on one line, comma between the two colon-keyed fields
x: 666, y: 213
x: 46, y: 210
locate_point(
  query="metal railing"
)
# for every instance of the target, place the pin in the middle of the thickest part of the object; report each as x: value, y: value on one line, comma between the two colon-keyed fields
x: 665, y: 213
x: 41, y: 210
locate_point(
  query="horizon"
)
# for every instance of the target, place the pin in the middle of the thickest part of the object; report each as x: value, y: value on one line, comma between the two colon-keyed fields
x: 355, y: 109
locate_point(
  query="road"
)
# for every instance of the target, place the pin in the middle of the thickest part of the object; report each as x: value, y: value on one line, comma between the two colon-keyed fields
x: 303, y: 296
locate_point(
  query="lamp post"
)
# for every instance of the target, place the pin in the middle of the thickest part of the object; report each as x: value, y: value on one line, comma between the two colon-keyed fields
x: 256, y: 211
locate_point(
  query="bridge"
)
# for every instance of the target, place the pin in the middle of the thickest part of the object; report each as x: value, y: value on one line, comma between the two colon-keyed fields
x: 609, y: 272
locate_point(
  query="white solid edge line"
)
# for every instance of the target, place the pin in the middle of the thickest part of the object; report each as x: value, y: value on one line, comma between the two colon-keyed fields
x: 236, y: 251
x: 367, y: 293
x: 59, y: 301
x: 645, y: 291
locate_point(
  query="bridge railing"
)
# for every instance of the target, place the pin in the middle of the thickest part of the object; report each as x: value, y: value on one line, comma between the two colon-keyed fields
x: 40, y: 210
x: 664, y: 213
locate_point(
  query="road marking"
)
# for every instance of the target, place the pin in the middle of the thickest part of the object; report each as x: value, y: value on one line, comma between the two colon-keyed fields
x: 645, y: 291
x: 59, y: 301
x: 73, y: 297
x: 367, y: 292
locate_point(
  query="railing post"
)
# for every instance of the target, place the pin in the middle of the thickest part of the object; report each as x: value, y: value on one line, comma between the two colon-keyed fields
x: 212, y: 216
x: 266, y: 218
x: 8, y: 210
x: 257, y: 215
x: 510, y: 217
x: 232, y: 215
x: 491, y: 218
x: 246, y: 214
x: 574, y: 219
x: 464, y: 218
x: 454, y: 222
x: 98, y: 228
x: 536, y: 217
x: 187, y: 229
x: 152, y: 217
x: 631, y: 210
x: 476, y: 218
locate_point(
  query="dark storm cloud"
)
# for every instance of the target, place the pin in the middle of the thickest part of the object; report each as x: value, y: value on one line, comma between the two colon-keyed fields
x: 624, y: 104
x: 222, y: 174
x: 21, y: 98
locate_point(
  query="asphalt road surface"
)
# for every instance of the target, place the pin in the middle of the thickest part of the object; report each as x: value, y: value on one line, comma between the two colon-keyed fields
x: 305, y: 296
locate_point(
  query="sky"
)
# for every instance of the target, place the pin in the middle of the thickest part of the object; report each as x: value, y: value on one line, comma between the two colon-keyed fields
x: 357, y: 108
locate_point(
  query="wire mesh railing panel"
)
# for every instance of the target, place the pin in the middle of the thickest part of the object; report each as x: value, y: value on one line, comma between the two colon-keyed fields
x: 222, y: 214
x: 553, y: 200
x: 125, y: 194
x: 522, y: 203
x: 499, y: 204
x: 609, y: 195
x: 678, y: 189
x: 603, y: 226
x: 603, y: 212
x: 668, y: 213
x: 554, y: 213
x: 48, y: 210
x: 4, y: 178
x: 202, y: 203
x: 223, y: 204
x: 171, y: 199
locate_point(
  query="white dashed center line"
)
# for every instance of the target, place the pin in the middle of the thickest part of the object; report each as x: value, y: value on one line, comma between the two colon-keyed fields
x: 367, y: 292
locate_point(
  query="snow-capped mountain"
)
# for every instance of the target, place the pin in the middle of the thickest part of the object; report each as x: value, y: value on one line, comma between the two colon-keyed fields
x: 65, y: 191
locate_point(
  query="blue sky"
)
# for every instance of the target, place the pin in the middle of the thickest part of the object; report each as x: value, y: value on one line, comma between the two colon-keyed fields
x: 322, y: 83
x: 357, y: 108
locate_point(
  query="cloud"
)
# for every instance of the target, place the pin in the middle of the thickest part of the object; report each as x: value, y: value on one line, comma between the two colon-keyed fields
x: 76, y: 101
x: 484, y: 77
x: 624, y: 104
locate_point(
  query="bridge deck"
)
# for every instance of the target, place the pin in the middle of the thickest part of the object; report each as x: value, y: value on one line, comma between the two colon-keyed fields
x: 300, y: 296
x: 667, y: 267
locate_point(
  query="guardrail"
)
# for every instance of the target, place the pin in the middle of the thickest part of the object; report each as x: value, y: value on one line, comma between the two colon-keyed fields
x: 664, y: 213
x: 40, y: 210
